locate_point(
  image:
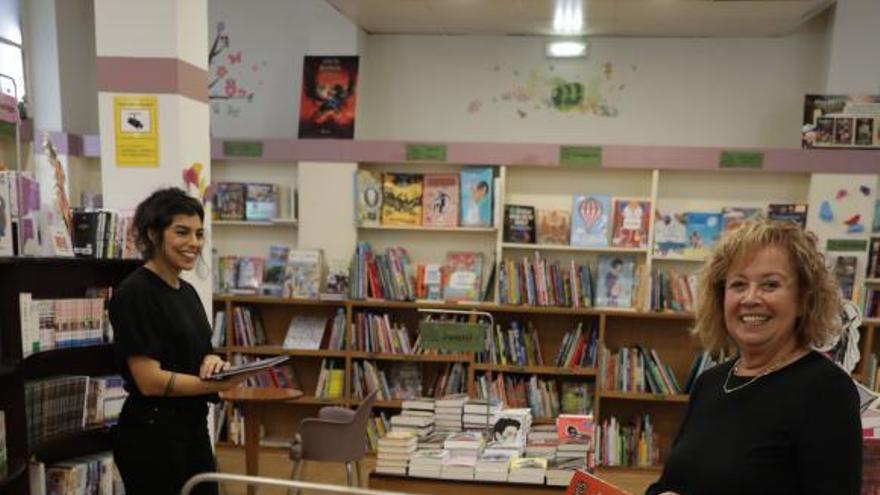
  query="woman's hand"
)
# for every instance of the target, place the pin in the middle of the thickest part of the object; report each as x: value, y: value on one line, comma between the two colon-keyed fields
x: 210, y: 365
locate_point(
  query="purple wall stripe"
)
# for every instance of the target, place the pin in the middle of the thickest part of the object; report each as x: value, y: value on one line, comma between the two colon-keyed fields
x: 152, y: 75
x: 613, y: 156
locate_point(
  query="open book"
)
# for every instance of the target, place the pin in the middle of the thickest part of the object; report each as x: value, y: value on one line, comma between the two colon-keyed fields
x: 257, y: 365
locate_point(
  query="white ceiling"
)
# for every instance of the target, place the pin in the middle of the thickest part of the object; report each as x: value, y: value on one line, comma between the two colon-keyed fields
x: 653, y: 18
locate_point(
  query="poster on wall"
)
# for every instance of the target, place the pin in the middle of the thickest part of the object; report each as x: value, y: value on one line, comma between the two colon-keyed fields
x: 841, y: 121
x: 328, y: 98
x: 136, y: 129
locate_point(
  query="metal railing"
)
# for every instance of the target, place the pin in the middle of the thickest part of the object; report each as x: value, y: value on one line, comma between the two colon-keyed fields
x: 289, y: 484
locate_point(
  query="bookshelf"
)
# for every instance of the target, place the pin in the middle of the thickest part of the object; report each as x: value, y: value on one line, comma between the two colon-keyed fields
x: 71, y: 277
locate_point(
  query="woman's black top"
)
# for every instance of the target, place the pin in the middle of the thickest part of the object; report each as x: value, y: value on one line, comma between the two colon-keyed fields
x: 793, y: 431
x: 150, y: 318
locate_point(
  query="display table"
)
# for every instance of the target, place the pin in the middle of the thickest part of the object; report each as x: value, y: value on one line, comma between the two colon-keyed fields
x: 251, y: 400
x: 432, y: 486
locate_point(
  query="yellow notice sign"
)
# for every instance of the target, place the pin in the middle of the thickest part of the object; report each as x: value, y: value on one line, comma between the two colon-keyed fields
x: 136, y: 125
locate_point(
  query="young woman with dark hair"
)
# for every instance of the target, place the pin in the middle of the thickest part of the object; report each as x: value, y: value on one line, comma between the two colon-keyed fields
x: 163, y: 350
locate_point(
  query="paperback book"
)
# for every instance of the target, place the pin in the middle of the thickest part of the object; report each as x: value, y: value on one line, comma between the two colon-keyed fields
x: 733, y: 217
x: 302, y: 278
x: 788, y: 212
x: 368, y: 191
x: 519, y: 224
x: 440, y: 200
x: 703, y: 231
x: 476, y: 196
x: 589, y: 220
x: 401, y: 199
x: 273, y: 274
x: 631, y: 219
x: 262, y: 202
x: 554, y: 227
x: 615, y: 281
x: 464, y: 276
x: 670, y: 236
x: 229, y: 201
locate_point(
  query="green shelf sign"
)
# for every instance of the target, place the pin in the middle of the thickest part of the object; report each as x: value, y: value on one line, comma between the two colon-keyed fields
x: 580, y: 156
x: 741, y: 159
x: 248, y: 149
x: 460, y: 337
x: 846, y: 245
x: 426, y: 152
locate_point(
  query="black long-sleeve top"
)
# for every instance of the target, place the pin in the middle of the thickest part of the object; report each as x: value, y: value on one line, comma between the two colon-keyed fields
x: 794, y: 431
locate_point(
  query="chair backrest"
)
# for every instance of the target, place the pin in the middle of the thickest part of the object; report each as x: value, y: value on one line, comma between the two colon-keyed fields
x: 346, y: 442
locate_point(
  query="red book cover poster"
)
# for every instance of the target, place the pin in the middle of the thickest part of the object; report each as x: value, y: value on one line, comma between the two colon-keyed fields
x: 328, y: 99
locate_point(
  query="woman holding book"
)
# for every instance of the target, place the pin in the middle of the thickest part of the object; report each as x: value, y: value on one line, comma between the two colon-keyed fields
x: 163, y: 350
x: 780, y: 418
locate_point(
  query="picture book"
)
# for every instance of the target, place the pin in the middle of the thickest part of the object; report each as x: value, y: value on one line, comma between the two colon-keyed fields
x: 575, y: 426
x: 670, y: 237
x: 261, y: 203
x: 368, y: 188
x: 733, y: 217
x: 229, y: 201
x: 440, y: 200
x: 584, y: 483
x: 401, y: 199
x: 6, y: 246
x: 589, y: 220
x: 273, y: 274
x: 302, y: 278
x: 703, y: 230
x: 476, y: 196
x: 249, y: 274
x: 464, y: 276
x: 337, y: 280
x: 631, y: 220
x: 614, y: 285
x: 791, y: 212
x: 519, y: 224
x: 553, y: 227
x: 30, y: 242
x: 328, y: 98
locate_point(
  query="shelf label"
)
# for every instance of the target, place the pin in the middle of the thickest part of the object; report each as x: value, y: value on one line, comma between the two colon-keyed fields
x: 459, y: 337
x: 248, y: 149
x: 426, y: 152
x: 580, y: 156
x: 847, y: 245
x: 741, y: 159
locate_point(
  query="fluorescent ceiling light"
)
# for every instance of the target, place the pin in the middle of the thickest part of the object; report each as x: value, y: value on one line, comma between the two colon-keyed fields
x: 567, y: 49
x: 568, y: 17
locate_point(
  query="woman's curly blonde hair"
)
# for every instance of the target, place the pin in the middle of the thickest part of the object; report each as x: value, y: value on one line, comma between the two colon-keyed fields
x: 818, y: 294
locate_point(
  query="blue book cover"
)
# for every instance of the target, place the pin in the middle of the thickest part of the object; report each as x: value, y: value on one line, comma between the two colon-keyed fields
x: 476, y: 196
x: 614, y: 285
x: 589, y: 220
x: 702, y: 230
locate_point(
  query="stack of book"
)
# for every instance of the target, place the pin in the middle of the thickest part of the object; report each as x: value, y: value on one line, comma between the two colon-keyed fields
x: 493, y: 466
x: 528, y: 470
x: 427, y: 463
x: 395, y: 450
x: 464, y: 449
x: 560, y: 470
x: 480, y: 414
x: 419, y: 423
x: 448, y: 412
x: 545, y: 448
x: 434, y: 441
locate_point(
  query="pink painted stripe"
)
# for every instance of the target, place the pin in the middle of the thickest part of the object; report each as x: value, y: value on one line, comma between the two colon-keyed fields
x: 613, y: 156
x: 92, y: 146
x: 152, y: 75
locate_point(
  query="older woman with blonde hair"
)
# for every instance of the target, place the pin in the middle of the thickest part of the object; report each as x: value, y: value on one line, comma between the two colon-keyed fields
x: 779, y: 418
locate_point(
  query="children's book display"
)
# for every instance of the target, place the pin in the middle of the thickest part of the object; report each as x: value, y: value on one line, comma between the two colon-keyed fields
x: 670, y: 233
x: 841, y: 121
x: 302, y: 278
x: 430, y: 200
x: 254, y: 202
x: 589, y: 220
x: 465, y: 279
x: 631, y: 223
x: 519, y: 224
x: 554, y: 227
x: 703, y: 230
x: 615, y: 281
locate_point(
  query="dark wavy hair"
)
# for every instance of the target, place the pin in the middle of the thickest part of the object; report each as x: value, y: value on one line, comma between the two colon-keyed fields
x: 155, y: 214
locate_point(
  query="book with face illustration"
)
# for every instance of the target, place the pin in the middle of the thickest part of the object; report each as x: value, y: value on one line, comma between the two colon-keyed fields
x: 440, y: 200
x: 476, y: 196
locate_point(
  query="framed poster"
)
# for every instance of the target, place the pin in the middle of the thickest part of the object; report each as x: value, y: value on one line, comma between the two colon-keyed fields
x: 328, y: 97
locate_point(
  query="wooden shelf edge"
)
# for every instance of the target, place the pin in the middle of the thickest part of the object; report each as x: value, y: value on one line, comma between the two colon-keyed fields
x: 537, y: 370
x: 637, y: 396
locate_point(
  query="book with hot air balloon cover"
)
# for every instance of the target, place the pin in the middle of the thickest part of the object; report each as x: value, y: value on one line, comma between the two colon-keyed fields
x: 589, y: 220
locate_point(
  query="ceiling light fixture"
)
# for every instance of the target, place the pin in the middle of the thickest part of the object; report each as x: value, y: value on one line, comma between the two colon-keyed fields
x: 566, y: 49
x: 568, y: 17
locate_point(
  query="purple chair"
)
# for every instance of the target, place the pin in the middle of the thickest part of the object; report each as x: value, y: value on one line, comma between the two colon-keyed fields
x: 338, y: 434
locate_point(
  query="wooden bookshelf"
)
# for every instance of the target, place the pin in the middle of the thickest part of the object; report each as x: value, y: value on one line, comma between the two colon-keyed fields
x: 424, y: 358
x: 580, y: 249
x: 617, y: 395
x: 536, y: 370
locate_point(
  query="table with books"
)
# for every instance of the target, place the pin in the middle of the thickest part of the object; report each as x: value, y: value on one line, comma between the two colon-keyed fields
x: 475, y: 446
x: 252, y: 400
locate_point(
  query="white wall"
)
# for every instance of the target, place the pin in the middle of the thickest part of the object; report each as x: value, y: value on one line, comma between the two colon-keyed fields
x: 41, y: 46
x: 854, y: 38
x: 273, y: 36
x: 701, y: 92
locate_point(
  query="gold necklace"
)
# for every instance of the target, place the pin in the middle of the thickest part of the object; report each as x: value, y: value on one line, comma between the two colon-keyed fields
x: 770, y: 369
